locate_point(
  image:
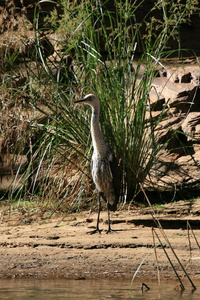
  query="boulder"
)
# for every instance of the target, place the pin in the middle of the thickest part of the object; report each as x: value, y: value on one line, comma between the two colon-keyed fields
x: 180, y: 96
x: 11, y: 163
x: 11, y: 168
x: 191, y: 126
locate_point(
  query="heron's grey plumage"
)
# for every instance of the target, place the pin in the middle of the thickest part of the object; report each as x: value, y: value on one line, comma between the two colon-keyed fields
x: 104, y: 166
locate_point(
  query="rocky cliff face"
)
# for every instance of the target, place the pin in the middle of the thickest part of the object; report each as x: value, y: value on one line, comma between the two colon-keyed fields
x: 178, y: 88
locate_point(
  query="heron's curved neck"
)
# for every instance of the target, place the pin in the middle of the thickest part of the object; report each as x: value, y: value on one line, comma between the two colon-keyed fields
x: 97, y: 137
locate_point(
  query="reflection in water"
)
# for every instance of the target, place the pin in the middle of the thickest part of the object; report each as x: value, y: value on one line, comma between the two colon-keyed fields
x: 93, y: 289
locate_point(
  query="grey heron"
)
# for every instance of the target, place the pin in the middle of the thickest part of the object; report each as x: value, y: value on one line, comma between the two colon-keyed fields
x: 104, y: 166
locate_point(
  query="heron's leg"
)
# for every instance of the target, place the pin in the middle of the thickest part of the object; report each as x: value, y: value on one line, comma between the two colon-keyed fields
x: 109, y: 228
x: 99, y: 210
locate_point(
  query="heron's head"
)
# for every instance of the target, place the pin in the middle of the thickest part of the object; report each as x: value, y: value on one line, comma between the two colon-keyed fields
x: 91, y: 100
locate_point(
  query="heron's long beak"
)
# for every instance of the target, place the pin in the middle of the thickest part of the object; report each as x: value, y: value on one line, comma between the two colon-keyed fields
x: 79, y: 101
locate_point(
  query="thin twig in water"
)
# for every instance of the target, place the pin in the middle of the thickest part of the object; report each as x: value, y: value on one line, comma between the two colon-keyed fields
x: 189, y: 227
x: 144, y: 285
x: 188, y: 233
x: 174, y: 269
x: 158, y: 271
x: 165, y: 236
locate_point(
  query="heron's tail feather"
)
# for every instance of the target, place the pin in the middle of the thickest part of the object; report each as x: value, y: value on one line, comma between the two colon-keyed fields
x: 113, y: 201
x: 112, y: 207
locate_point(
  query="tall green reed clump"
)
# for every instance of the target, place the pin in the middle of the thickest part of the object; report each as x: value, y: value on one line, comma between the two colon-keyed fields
x: 60, y: 156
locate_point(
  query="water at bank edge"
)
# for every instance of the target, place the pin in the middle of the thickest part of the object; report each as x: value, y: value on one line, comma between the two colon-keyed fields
x: 98, y: 289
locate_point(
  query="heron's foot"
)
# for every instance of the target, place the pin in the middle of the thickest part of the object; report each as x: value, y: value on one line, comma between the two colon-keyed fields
x: 97, y: 230
x: 110, y: 230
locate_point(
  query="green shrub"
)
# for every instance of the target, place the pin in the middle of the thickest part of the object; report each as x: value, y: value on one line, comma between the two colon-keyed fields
x: 95, y: 51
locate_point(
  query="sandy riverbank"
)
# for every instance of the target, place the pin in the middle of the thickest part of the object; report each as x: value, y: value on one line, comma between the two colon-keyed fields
x: 60, y: 248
